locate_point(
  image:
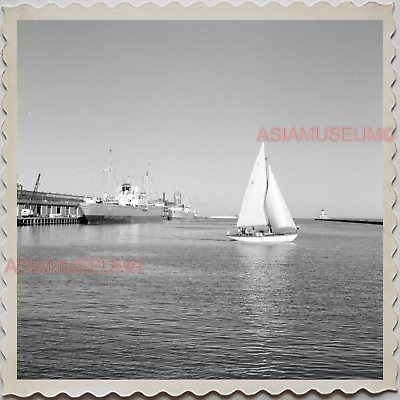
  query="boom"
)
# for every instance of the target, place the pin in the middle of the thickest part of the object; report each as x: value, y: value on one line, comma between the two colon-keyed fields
x: 34, y: 192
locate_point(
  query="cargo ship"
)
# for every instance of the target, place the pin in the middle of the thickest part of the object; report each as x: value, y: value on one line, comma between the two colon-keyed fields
x: 130, y: 206
x: 180, y: 210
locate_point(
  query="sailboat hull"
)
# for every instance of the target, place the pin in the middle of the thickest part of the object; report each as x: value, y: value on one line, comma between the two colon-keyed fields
x: 265, y: 239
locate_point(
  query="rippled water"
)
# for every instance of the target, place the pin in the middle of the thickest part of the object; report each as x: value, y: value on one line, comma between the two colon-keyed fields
x: 204, y: 307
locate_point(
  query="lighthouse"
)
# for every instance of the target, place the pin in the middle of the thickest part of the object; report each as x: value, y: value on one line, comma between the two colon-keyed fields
x: 323, y: 215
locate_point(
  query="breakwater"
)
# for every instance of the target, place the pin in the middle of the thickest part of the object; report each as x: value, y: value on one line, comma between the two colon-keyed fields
x: 354, y: 221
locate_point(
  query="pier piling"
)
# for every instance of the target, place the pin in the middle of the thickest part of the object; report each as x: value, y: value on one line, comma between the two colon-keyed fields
x: 42, y: 221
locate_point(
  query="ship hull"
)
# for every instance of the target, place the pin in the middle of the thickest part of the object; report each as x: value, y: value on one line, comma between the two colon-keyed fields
x: 265, y: 239
x: 180, y: 214
x: 103, y: 213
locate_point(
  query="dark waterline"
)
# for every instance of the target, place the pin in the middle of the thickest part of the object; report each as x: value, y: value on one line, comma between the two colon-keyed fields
x: 204, y: 307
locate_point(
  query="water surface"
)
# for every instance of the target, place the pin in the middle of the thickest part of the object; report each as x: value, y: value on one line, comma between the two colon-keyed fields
x: 204, y: 307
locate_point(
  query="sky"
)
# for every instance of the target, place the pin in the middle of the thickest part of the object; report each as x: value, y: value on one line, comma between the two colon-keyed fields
x: 187, y: 99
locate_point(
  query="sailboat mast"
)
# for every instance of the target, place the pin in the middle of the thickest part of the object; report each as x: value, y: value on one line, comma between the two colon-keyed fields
x: 266, y: 171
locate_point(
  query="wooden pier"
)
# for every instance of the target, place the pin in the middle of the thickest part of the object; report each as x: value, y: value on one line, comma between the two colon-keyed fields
x: 42, y: 221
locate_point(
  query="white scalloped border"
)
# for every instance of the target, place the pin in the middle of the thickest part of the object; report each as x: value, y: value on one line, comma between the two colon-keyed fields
x: 298, y: 10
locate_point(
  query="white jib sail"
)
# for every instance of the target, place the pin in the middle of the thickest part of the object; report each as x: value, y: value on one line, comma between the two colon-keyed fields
x: 253, y: 211
x: 277, y: 210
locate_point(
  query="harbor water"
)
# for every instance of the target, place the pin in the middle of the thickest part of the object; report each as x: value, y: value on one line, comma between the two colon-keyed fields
x: 203, y: 307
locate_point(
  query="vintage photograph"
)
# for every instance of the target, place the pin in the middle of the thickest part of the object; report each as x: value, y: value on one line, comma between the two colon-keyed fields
x: 200, y: 199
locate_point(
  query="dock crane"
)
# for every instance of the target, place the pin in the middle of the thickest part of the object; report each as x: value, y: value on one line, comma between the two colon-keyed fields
x: 28, y: 212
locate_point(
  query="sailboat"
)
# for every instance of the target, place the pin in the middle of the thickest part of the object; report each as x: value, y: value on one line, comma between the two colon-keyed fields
x: 264, y: 216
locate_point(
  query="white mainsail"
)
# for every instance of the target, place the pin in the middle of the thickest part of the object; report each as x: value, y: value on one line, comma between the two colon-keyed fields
x: 263, y: 202
x: 277, y: 210
x: 252, y: 212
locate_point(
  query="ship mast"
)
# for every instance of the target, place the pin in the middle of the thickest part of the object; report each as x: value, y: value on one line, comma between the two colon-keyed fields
x: 147, y: 182
x: 109, y: 169
x: 108, y: 173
